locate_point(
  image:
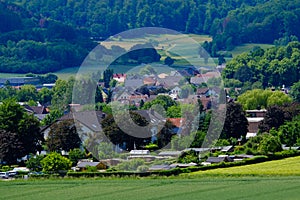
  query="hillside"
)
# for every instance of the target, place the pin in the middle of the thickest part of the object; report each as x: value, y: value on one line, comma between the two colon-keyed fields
x: 47, y: 36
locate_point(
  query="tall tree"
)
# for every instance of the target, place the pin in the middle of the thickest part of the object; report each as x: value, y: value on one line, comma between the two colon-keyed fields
x: 63, y: 136
x: 119, y: 137
x: 274, y: 118
x: 236, y: 123
x: 10, y: 147
x: 14, y: 120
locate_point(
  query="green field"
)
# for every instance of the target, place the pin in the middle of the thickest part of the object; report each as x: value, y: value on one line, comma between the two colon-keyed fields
x: 247, y: 48
x: 284, y: 167
x: 150, y: 189
x: 177, y: 42
x: 270, y: 180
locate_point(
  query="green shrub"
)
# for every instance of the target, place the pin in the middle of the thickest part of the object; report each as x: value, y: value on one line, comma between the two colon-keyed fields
x: 55, y: 162
x: 143, y: 168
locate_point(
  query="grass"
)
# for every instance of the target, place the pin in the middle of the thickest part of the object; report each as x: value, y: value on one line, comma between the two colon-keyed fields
x: 247, y: 48
x: 150, y: 189
x: 270, y: 180
x: 284, y: 167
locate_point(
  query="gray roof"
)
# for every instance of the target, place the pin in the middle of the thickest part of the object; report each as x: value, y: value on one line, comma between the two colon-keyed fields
x: 139, y: 152
x: 198, y: 149
x: 227, y: 148
x: 218, y: 159
x: 81, y: 164
x: 183, y: 165
x: 170, y: 153
x: 160, y: 167
x: 169, y: 81
x: 197, y: 80
x: 90, y: 119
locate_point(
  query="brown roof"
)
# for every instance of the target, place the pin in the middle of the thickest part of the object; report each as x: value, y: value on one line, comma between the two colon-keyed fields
x: 36, y: 109
x: 178, y: 122
x: 202, y: 91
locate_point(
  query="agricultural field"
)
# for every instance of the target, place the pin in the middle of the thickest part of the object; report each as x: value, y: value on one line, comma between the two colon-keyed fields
x: 270, y: 180
x: 246, y: 48
x: 166, y: 44
x: 284, y: 167
x: 150, y: 188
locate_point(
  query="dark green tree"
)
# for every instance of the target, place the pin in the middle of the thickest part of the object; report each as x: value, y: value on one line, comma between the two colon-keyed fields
x: 10, y: 147
x: 14, y: 120
x: 63, y: 136
x: 236, y: 124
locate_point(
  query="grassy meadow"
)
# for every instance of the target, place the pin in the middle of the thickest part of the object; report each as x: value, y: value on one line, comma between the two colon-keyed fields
x: 150, y: 189
x: 247, y: 48
x: 270, y: 180
x: 284, y: 167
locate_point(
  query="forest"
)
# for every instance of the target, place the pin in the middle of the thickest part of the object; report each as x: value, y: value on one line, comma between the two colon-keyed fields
x: 45, y: 36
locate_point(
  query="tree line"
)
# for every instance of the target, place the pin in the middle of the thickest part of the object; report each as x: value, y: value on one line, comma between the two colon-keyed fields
x: 229, y: 22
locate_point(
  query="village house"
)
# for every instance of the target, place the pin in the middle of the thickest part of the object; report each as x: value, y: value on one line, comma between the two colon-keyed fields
x: 40, y: 112
x: 169, y: 81
x: 120, y: 78
x: 134, y: 81
x: 150, y: 81
x: 132, y: 98
x: 214, y: 160
x: 83, y: 165
x: 254, y: 117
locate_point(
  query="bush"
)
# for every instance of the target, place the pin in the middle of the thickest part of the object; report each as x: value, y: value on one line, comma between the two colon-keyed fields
x: 143, y: 168
x: 55, y: 162
x: 130, y: 165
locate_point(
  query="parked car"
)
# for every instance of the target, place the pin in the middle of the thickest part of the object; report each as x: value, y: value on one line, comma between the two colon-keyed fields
x: 12, y: 173
x: 4, y: 175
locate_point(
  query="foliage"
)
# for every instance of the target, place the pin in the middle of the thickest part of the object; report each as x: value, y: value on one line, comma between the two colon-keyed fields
x: 295, y: 91
x: 221, y: 143
x: 55, y: 162
x: 151, y: 147
x: 63, y: 136
x: 277, y: 66
x: 23, y: 128
x: 10, y: 147
x: 34, y: 163
x: 188, y: 157
x: 131, y: 165
x: 118, y: 137
x: 258, y: 98
x: 106, y: 150
x: 75, y: 155
x: 62, y: 94
x: 269, y: 144
x: 142, y: 168
x: 274, y: 118
x: 52, y: 117
x: 163, y: 100
x: 289, y: 133
x: 236, y: 123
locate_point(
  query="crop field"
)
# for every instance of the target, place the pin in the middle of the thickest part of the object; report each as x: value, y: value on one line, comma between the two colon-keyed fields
x: 284, y: 167
x: 150, y: 188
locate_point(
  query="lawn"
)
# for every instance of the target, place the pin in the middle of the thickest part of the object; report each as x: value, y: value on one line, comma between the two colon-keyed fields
x: 284, y: 167
x: 150, y: 188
